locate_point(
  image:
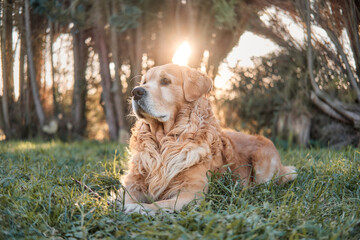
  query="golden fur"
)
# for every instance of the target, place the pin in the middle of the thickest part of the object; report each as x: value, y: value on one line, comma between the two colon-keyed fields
x: 177, y: 140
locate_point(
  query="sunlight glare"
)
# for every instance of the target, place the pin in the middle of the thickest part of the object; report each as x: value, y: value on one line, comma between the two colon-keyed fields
x: 182, y: 54
x: 249, y: 46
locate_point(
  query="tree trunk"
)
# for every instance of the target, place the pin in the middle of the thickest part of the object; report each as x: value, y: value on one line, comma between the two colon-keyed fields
x: 106, y: 83
x: 28, y: 96
x: 100, y: 44
x: 117, y: 87
x: 135, y: 58
x: 80, y: 85
x: 31, y: 67
x: 352, y: 22
x: 38, y: 41
x: 224, y: 42
x: 2, y: 124
x: 6, y: 59
x: 54, y: 86
x: 22, y: 94
x: 9, y: 51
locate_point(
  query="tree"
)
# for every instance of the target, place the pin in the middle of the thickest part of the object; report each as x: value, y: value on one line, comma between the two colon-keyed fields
x: 7, y: 64
x: 32, y: 71
x: 117, y: 89
x: 106, y: 81
x: 345, y: 21
x: 80, y: 85
x: 135, y: 35
x: 329, y: 83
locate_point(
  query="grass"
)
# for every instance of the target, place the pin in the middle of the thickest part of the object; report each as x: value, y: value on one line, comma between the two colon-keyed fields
x: 38, y: 198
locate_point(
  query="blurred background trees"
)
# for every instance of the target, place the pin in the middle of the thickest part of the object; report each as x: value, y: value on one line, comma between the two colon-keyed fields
x: 68, y: 66
x: 308, y: 92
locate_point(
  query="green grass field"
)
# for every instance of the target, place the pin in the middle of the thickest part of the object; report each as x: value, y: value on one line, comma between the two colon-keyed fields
x: 39, y: 199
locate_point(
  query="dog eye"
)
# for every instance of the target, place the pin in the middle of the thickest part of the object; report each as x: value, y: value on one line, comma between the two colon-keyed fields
x: 144, y: 82
x: 165, y: 81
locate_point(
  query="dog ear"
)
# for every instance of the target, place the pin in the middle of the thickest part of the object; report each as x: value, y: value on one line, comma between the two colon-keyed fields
x: 195, y: 83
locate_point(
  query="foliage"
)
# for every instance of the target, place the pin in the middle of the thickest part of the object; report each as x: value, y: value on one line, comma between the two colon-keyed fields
x: 127, y: 19
x: 38, y: 199
x: 63, y: 13
x: 277, y: 83
x: 128, y: 36
x: 279, y: 88
x: 225, y: 13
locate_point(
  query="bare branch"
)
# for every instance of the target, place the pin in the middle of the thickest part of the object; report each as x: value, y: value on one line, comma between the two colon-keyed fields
x: 326, y: 109
x: 340, y: 49
x: 334, y: 108
x: 258, y: 27
x: 309, y: 52
x: 351, y: 76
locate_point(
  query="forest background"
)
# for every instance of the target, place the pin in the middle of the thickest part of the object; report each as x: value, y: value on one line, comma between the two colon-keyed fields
x: 68, y: 66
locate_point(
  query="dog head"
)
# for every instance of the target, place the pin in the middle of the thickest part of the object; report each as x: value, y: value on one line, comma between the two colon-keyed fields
x: 165, y: 89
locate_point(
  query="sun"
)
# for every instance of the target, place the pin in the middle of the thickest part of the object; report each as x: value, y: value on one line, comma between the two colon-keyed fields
x: 182, y: 54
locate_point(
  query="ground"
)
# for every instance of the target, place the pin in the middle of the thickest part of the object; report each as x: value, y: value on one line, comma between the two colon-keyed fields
x: 40, y: 199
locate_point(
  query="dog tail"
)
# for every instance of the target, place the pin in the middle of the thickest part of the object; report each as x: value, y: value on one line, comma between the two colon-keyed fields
x: 287, y: 173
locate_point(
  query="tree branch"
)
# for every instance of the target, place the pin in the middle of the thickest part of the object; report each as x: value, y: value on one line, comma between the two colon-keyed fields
x: 351, y: 76
x: 326, y: 109
x: 309, y: 52
x: 333, y: 105
x: 258, y: 27
x: 340, y: 49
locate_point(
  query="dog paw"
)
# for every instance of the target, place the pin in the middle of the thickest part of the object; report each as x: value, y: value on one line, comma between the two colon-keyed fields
x: 137, y: 208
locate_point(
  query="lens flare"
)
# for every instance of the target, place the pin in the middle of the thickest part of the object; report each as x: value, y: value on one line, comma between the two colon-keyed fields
x: 182, y: 54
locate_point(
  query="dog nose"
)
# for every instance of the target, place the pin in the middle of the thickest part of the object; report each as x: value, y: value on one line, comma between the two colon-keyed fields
x: 138, y: 93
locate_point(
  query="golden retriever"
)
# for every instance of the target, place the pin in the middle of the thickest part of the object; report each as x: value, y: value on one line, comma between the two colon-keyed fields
x: 177, y: 140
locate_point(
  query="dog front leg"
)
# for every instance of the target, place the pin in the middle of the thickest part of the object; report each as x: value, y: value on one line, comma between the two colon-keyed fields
x: 173, y: 204
x: 125, y: 197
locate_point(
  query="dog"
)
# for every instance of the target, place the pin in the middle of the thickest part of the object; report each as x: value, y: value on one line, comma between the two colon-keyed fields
x: 177, y: 140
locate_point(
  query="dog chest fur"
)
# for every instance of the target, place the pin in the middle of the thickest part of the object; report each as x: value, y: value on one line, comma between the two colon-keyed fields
x: 187, y: 144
